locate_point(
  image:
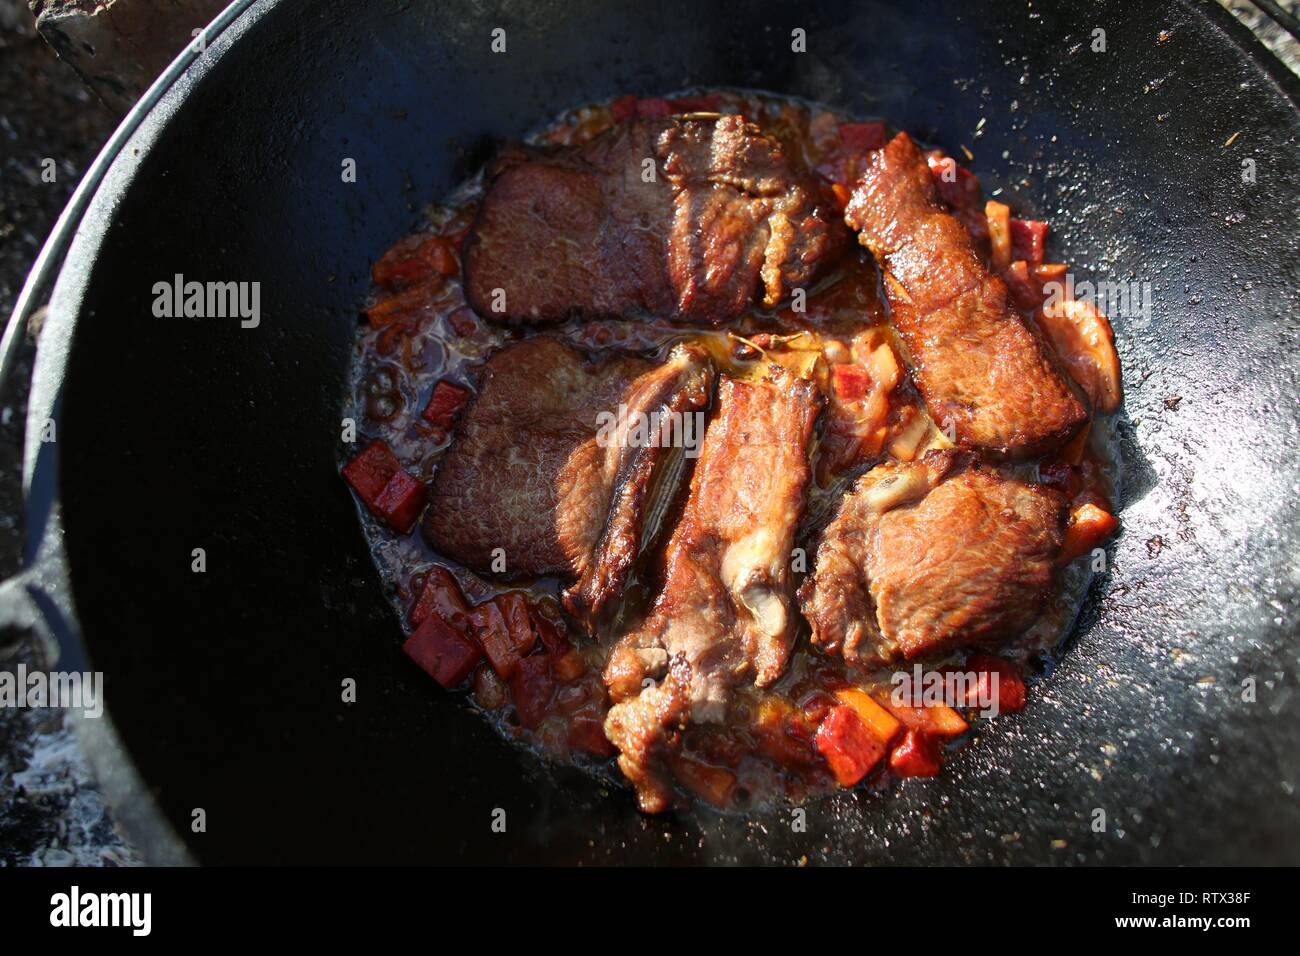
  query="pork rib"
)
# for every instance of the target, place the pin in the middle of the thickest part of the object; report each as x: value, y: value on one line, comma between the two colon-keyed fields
x: 974, y: 361
x: 724, y: 612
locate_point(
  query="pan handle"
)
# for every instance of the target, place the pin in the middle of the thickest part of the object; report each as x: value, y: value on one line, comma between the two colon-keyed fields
x: 47, y: 264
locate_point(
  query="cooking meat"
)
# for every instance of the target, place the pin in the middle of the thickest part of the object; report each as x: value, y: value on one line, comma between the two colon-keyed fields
x: 668, y: 405
x: 580, y: 230
x: 532, y: 471
x: 927, y: 555
x: 975, y: 362
x: 724, y: 611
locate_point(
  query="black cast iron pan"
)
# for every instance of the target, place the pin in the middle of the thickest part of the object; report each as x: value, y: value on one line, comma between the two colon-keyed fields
x: 224, y: 688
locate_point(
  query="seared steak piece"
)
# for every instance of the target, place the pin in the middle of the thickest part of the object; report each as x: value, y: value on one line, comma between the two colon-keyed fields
x: 579, y: 230
x: 929, y: 555
x: 975, y: 362
x: 724, y: 611
x: 530, y: 471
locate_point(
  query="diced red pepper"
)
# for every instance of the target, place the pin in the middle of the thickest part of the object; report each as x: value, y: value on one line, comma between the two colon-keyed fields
x: 623, y: 108
x: 531, y: 689
x: 862, y: 137
x: 550, y: 628
x: 937, y: 720
x: 519, y: 622
x: 441, y: 596
x: 587, y: 733
x: 709, y: 783
x: 1028, y: 239
x: 1024, y: 290
x: 369, y: 472
x: 416, y: 259
x: 704, y: 103
x: 916, y: 756
x: 444, y: 403
x: 388, y: 491
x: 1011, y: 693
x: 503, y: 647
x: 401, y: 501
x: 653, y: 108
x: 447, y: 655
x: 852, y: 382
x: 850, y: 748
x: 957, y: 186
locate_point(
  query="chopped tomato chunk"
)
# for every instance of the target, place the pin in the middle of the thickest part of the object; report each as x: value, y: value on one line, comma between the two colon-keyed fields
x: 550, y: 627
x: 1028, y: 239
x: 442, y: 596
x: 863, y: 136
x: 531, y: 689
x: 916, y: 756
x: 446, y: 654
x: 1010, y: 695
x: 444, y: 403
x: 849, y: 746
x: 1089, y: 526
x: 415, y: 260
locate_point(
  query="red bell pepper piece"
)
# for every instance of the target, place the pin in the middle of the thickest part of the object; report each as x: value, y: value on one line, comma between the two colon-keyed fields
x: 1011, y: 693
x: 441, y: 596
x: 414, y: 260
x: 401, y: 502
x: 587, y: 733
x: 850, y: 749
x: 496, y: 625
x: 958, y: 186
x: 531, y: 689
x: 852, y: 382
x: 388, y: 491
x: 623, y: 108
x: 444, y: 403
x: 1028, y: 239
x: 447, y: 655
x: 916, y: 756
x: 653, y: 108
x: 369, y: 472
x: 861, y: 137
x: 704, y: 103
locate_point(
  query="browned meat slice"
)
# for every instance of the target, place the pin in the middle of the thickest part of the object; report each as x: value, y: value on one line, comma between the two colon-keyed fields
x: 724, y: 610
x: 928, y: 555
x: 580, y: 230
x: 975, y: 362
x: 530, y: 471
x: 664, y: 409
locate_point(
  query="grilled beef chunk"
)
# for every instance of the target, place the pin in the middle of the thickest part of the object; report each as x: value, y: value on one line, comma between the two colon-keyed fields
x: 975, y: 362
x: 928, y: 555
x: 579, y: 230
x: 724, y: 611
x: 530, y: 470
